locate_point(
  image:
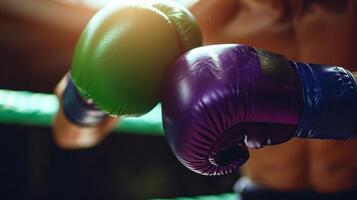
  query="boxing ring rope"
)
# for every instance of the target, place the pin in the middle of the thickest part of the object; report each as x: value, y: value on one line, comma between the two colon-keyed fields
x: 39, y: 109
x: 226, y: 196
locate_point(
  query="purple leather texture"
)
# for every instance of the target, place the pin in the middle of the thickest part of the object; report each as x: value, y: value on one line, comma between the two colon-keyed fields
x: 220, y: 99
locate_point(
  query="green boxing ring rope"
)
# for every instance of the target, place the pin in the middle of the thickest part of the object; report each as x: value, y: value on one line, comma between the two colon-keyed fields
x: 38, y: 109
x: 227, y: 196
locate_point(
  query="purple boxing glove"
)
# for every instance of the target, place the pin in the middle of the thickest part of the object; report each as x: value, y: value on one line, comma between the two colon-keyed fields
x: 220, y: 100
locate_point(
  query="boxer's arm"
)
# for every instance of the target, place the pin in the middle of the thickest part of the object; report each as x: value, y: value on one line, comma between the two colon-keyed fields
x: 71, y: 136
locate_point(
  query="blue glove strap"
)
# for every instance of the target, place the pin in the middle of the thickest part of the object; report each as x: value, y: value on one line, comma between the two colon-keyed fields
x: 330, y: 102
x: 79, y: 111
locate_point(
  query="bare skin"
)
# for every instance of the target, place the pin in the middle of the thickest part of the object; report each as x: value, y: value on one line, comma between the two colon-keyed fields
x: 71, y: 136
x: 304, y: 33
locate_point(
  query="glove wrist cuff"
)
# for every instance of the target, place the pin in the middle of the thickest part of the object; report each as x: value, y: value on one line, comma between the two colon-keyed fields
x: 78, y: 110
x: 329, y: 102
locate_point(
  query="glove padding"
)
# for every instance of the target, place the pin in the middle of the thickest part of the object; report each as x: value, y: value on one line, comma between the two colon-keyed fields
x: 220, y: 100
x: 123, y: 54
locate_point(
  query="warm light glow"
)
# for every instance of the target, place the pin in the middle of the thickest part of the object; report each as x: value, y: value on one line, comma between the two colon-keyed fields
x: 98, y: 3
x: 102, y: 3
x: 89, y: 3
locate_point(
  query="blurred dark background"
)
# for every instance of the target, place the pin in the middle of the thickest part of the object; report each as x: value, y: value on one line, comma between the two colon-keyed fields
x: 124, y: 166
x: 37, y: 38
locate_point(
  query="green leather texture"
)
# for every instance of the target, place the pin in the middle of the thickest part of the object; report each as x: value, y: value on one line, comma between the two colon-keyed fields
x: 187, y: 28
x: 123, y: 54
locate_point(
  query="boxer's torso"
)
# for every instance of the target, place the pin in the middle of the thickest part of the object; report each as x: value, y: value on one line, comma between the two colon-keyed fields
x: 324, y: 166
x: 309, y: 31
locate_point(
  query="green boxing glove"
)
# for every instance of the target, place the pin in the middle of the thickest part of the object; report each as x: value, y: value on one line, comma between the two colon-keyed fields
x: 122, y: 56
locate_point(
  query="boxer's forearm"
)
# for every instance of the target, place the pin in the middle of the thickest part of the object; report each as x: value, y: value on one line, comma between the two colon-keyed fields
x: 69, y: 135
